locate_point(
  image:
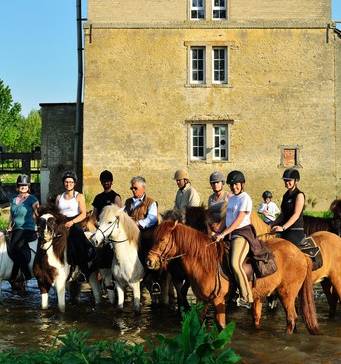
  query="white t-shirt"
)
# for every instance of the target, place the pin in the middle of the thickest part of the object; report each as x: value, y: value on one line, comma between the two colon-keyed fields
x: 271, y: 209
x: 236, y: 204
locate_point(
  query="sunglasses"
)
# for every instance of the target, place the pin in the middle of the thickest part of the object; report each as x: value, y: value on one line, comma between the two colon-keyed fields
x: 134, y: 188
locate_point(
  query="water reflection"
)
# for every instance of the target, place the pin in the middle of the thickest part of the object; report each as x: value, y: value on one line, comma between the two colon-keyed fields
x: 24, y: 325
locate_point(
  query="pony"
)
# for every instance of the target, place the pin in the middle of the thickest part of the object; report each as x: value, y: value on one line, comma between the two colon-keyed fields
x: 332, y: 224
x: 6, y: 263
x: 121, y: 232
x: 51, y: 267
x: 202, y: 261
x: 329, y: 275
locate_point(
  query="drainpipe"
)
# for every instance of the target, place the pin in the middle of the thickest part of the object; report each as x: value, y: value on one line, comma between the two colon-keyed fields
x: 79, y: 113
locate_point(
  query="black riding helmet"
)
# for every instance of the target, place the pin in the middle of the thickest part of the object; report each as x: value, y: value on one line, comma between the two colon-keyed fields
x: 291, y: 173
x: 266, y: 194
x: 235, y: 177
x: 106, y: 176
x: 69, y: 174
x: 23, y: 180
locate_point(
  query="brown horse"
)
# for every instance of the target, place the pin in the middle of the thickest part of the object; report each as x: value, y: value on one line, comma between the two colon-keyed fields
x: 330, y: 273
x: 202, y: 262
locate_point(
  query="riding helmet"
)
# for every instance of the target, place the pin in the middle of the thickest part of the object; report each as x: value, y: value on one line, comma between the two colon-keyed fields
x: 217, y: 177
x: 266, y: 194
x: 23, y: 180
x: 106, y: 176
x: 235, y: 177
x: 291, y: 173
x: 69, y: 174
x: 181, y: 174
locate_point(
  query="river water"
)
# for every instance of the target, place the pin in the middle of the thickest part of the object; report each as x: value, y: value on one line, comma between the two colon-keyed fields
x: 24, y: 325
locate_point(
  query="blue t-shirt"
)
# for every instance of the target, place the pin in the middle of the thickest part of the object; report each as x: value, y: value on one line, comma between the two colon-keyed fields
x: 22, y: 213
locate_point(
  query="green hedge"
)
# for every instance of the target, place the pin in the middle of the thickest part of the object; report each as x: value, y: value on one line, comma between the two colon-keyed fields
x: 196, y: 344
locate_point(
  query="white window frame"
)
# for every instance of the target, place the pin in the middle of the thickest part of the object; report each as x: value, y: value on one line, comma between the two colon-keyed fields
x: 197, y: 69
x: 221, y: 145
x: 203, y: 145
x: 219, y: 8
x: 197, y: 9
x: 223, y: 81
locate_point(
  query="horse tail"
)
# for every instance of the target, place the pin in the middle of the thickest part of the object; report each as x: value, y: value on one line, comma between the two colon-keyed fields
x: 308, y: 302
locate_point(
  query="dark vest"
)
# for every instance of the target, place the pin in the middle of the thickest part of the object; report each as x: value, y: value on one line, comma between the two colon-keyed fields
x: 141, y: 211
x: 288, y: 208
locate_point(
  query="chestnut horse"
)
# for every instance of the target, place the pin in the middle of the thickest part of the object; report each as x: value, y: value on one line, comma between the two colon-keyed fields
x: 202, y: 261
x: 330, y: 273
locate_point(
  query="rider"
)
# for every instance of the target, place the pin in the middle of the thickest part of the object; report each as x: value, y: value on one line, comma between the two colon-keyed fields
x: 72, y: 205
x: 107, y: 197
x: 24, y: 210
x: 290, y: 221
x: 238, y: 228
x: 186, y: 196
x: 268, y: 208
x: 218, y: 200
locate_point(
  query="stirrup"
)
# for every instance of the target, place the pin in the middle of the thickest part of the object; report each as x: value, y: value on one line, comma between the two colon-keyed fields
x: 155, y: 289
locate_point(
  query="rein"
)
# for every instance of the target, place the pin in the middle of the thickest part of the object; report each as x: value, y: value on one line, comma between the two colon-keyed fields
x: 111, y: 226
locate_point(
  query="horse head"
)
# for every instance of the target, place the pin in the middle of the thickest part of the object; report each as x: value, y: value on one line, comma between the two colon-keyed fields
x: 50, y: 228
x: 163, y: 247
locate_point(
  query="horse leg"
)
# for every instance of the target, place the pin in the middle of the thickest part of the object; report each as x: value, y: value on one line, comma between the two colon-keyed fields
x: 219, y: 304
x: 288, y: 301
x: 96, y: 291
x: 108, y: 282
x: 184, y: 291
x: 120, y: 295
x: 257, y: 312
x: 44, y: 291
x: 60, y: 283
x: 137, y: 295
x: 331, y: 295
x: 166, y: 287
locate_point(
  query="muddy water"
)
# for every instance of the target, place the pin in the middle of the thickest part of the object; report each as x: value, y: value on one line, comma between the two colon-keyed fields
x: 24, y: 325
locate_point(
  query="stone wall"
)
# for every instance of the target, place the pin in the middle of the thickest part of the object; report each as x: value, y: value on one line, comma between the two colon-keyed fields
x: 58, y: 127
x: 156, y: 11
x: 281, y: 91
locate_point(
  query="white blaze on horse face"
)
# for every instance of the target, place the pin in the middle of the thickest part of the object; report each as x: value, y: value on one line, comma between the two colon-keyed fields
x: 47, y: 234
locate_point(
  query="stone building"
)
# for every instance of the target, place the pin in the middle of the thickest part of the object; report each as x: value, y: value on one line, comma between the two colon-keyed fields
x: 212, y: 85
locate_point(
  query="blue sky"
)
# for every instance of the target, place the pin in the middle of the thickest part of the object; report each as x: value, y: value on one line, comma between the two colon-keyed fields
x: 38, y: 53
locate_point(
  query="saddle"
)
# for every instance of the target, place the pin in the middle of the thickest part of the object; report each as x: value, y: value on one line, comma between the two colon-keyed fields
x: 309, y: 247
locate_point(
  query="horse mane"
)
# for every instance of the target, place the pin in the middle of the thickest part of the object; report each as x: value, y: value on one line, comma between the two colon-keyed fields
x: 129, y: 225
x: 196, y: 244
x: 53, y: 210
x: 262, y: 229
x: 197, y: 218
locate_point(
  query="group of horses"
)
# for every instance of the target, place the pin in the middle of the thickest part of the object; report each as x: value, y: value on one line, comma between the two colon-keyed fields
x: 192, y: 258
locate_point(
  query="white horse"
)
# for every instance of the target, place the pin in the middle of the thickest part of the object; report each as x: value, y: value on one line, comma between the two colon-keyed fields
x: 51, y: 267
x: 6, y: 263
x: 119, y: 230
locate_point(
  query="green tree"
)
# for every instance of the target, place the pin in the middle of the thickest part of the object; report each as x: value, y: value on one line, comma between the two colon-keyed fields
x: 10, y: 119
x: 31, y: 132
x: 17, y: 133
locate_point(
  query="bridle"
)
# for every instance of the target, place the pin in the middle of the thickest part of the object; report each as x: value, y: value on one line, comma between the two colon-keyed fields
x: 163, y: 255
x: 110, y: 228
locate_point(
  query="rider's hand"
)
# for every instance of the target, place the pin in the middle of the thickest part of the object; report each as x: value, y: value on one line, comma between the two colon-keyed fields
x: 69, y: 224
x: 219, y: 237
x: 277, y: 229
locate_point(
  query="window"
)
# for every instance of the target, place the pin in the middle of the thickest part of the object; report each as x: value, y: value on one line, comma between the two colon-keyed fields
x: 198, y: 65
x: 290, y: 156
x: 220, y: 142
x: 219, y: 65
x: 197, y: 9
x: 219, y: 9
x: 198, y: 142
x: 209, y: 141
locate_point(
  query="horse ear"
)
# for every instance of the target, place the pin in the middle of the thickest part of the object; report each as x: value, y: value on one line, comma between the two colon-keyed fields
x: 175, y: 223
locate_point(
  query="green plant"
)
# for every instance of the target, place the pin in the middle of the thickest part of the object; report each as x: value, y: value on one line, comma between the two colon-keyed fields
x: 196, y: 344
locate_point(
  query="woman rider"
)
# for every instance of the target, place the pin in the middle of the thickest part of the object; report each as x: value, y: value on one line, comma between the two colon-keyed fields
x: 72, y: 205
x: 24, y: 210
x: 290, y: 221
x: 238, y: 225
